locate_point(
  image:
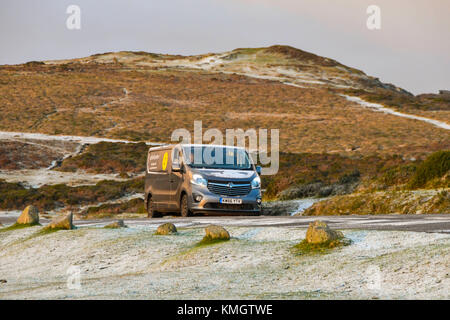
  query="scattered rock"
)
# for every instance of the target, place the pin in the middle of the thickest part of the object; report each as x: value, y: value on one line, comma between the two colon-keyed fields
x: 166, y: 229
x: 214, y: 232
x: 116, y: 224
x: 3, y: 281
x: 318, y: 232
x: 347, y: 184
x: 320, y: 238
x: 29, y: 216
x: 63, y: 223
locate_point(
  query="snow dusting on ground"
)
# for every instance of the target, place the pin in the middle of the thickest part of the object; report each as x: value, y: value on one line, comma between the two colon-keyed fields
x: 257, y: 263
x: 47, y: 137
x: 380, y: 108
x: 36, y: 178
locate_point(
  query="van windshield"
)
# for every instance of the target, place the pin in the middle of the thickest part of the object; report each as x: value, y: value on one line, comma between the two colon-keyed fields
x: 217, y: 157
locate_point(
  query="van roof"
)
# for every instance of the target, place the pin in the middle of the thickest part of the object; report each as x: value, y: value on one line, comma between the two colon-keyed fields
x: 170, y: 146
x: 164, y: 147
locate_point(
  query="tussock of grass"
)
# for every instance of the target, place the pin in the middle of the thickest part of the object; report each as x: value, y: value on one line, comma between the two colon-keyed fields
x: 305, y: 247
x: 435, y: 166
x: 113, y: 227
x: 207, y: 241
x: 17, y: 226
x: 45, y: 231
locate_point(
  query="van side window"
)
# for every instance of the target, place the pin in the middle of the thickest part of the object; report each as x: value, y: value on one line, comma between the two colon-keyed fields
x: 158, y: 161
x: 153, y: 160
x: 177, y: 155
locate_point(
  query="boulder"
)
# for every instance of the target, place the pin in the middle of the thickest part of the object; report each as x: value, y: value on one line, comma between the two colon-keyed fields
x: 214, y: 232
x: 318, y: 232
x: 64, y: 223
x: 166, y: 229
x: 29, y: 216
x: 116, y: 225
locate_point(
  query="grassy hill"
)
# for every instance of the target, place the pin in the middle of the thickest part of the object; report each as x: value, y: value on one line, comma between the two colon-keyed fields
x: 329, y: 145
x: 140, y: 96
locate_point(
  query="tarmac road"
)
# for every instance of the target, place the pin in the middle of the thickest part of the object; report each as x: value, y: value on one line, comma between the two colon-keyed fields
x: 420, y: 223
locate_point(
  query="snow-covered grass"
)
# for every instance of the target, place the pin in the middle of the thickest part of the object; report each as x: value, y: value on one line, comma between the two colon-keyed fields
x: 257, y: 263
x: 47, y: 137
x: 36, y: 178
x: 380, y: 108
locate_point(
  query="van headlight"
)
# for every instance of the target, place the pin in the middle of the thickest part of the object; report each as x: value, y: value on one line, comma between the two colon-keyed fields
x: 199, y: 180
x: 256, y: 183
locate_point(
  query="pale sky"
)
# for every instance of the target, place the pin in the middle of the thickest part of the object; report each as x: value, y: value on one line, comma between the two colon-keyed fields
x: 412, y: 49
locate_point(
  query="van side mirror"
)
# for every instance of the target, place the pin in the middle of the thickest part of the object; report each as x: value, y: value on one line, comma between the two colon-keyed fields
x: 258, y: 170
x: 176, y: 166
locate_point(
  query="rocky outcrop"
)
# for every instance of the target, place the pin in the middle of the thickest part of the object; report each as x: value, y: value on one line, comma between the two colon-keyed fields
x: 116, y: 225
x: 214, y: 232
x: 29, y: 216
x: 279, y: 208
x: 166, y: 229
x: 384, y: 202
x: 61, y: 223
x: 319, y: 233
x: 346, y: 185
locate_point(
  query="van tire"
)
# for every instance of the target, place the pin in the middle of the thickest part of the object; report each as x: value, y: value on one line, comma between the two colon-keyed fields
x: 151, y: 212
x: 184, y: 206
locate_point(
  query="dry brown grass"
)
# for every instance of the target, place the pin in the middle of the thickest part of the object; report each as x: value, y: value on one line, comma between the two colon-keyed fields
x: 55, y: 99
x: 12, y: 156
x: 15, y: 155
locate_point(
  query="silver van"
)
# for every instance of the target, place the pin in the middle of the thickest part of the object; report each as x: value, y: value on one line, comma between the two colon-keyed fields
x: 210, y: 179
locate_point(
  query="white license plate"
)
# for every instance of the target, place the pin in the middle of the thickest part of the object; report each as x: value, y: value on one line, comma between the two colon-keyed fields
x: 231, y: 200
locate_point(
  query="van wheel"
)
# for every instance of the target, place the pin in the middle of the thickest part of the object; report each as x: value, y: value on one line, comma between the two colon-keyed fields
x: 185, y: 212
x: 151, y: 212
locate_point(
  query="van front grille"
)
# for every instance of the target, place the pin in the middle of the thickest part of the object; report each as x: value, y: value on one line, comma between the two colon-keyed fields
x: 229, y: 188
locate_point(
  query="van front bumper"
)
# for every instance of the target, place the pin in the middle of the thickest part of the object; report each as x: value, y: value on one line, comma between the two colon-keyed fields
x: 210, y: 203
